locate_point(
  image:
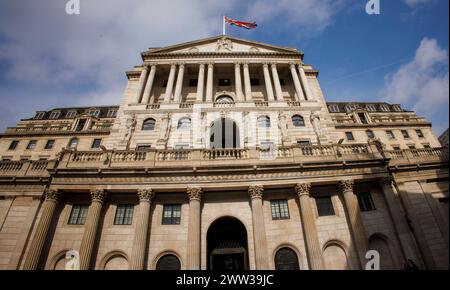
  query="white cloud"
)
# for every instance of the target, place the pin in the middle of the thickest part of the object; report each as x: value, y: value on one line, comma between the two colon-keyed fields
x: 415, y: 3
x: 423, y: 82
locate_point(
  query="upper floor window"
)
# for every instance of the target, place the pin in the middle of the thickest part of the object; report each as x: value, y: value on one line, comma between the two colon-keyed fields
x: 371, y: 108
x: 365, y: 201
x: 80, y: 125
x: 96, y: 143
x: 390, y: 135
x: 73, y: 143
x: 225, y: 100
x: 304, y: 142
x: 184, y: 123
x: 349, y: 136
x: 384, y: 108
x: 264, y: 122
x: 405, y: 134
x: 280, y: 209
x: 78, y: 214
x: 71, y: 114
x: 49, y: 145
x: 411, y: 146
x: 363, y: 118
x: 426, y: 146
x: 13, y: 145
x: 420, y: 133
x: 334, y: 108
x: 396, y: 148
x: 124, y: 214
x: 370, y: 134
x: 351, y: 107
x: 32, y: 145
x: 112, y: 113
x: 55, y: 115
x: 397, y: 108
x: 298, y: 121
x: 224, y: 82
x: 94, y: 113
x: 171, y: 214
x: 39, y: 115
x: 324, y: 206
x: 149, y: 125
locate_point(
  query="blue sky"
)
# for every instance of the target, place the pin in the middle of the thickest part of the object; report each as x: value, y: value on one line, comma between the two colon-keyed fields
x: 51, y: 59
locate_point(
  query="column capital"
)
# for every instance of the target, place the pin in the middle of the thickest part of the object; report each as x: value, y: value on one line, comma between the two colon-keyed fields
x: 346, y: 185
x: 173, y: 65
x: 52, y: 195
x: 194, y: 193
x: 98, y: 195
x: 202, y: 64
x: 386, y: 181
x: 273, y: 64
x: 265, y: 64
x: 145, y: 194
x: 255, y: 191
x: 303, y: 189
x: 245, y: 63
x: 210, y: 64
x: 237, y: 64
x: 181, y: 64
x: 293, y: 64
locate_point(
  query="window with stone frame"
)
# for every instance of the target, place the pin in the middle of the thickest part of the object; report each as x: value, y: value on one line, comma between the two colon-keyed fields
x: 171, y: 214
x: 78, y: 214
x: 324, y: 206
x: 13, y: 145
x: 124, y: 214
x: 365, y: 201
x: 280, y: 209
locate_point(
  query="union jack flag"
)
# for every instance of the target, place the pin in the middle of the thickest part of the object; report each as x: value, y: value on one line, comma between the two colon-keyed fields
x: 247, y: 25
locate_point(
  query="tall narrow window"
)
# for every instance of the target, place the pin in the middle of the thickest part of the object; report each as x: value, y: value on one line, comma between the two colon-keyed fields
x: 420, y: 133
x: 390, y: 135
x: 171, y: 214
x: 31, y: 145
x: 264, y: 122
x: 349, y: 136
x: 49, y: 145
x: 13, y: 145
x: 73, y: 143
x: 370, y: 134
x: 124, y: 214
x: 280, y: 209
x: 405, y: 134
x: 184, y: 124
x: 363, y: 118
x: 298, y: 121
x: 149, y: 125
x: 80, y: 125
x: 96, y: 143
x: 365, y: 201
x: 78, y: 214
x: 324, y: 206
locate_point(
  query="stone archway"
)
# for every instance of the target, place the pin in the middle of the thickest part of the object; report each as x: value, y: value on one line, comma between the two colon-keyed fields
x: 224, y: 134
x: 227, y: 245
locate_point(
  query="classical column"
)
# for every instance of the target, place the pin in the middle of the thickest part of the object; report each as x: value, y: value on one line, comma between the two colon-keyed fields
x: 193, y: 243
x: 238, y: 82
x: 314, y: 251
x: 141, y: 234
x: 305, y: 83
x: 170, y: 81
x: 268, y: 82
x: 276, y: 81
x: 354, y: 220
x: 209, y: 83
x: 247, y: 83
x: 90, y: 229
x: 200, y: 82
x: 149, y: 85
x: 298, y: 86
x: 141, y: 85
x: 37, y: 245
x: 259, y: 230
x: 179, y: 86
x: 401, y: 227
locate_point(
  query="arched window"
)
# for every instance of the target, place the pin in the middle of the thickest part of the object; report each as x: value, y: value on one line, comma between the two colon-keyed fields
x: 73, y: 143
x: 286, y: 259
x: 168, y: 262
x: 184, y: 123
x: 149, y: 125
x: 264, y: 122
x: 298, y: 121
x: 225, y: 100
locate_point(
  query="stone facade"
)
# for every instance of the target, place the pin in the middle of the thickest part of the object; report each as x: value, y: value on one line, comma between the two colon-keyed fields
x: 223, y: 154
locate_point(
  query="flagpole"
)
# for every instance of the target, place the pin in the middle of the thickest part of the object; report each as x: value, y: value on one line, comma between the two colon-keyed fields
x: 223, y: 26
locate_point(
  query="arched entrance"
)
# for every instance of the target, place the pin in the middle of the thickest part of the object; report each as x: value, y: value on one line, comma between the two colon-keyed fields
x: 224, y: 134
x: 227, y: 245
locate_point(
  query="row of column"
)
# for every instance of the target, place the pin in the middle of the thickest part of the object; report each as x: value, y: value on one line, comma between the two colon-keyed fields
x: 175, y: 83
x: 141, y: 237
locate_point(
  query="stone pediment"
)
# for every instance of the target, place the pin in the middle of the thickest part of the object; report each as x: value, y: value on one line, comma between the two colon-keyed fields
x: 222, y: 44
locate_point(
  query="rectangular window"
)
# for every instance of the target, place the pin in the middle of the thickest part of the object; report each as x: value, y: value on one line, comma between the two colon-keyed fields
x: 78, y: 214
x: 303, y: 143
x: 405, y: 134
x: 324, y: 206
x: 96, y: 143
x: 124, y: 214
x: 224, y: 82
x: 349, y: 136
x: 31, y: 145
x: 426, y: 146
x: 411, y: 146
x: 71, y: 114
x: 254, y: 82
x: 371, y: 108
x: 39, y: 115
x: 143, y: 147
x: 193, y: 82
x: 112, y: 113
x: 55, y: 115
x: 280, y: 209
x: 94, y: 113
x: 390, y: 135
x: 363, y: 118
x: 420, y: 133
x: 370, y: 134
x: 80, y: 125
x: 333, y: 108
x: 49, y: 145
x: 13, y: 145
x: 365, y: 201
x: 171, y: 214
x: 396, y: 148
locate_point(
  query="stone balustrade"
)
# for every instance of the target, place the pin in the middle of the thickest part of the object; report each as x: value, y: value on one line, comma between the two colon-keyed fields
x: 29, y: 168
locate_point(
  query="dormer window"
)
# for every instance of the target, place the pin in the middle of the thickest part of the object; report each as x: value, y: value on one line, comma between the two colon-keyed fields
x: 112, y: 113
x: 371, y: 108
x: 94, y: 113
x: 71, y: 114
x: 55, y: 115
x: 351, y: 107
x: 384, y: 108
x: 333, y: 108
x: 39, y: 115
x: 397, y: 108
